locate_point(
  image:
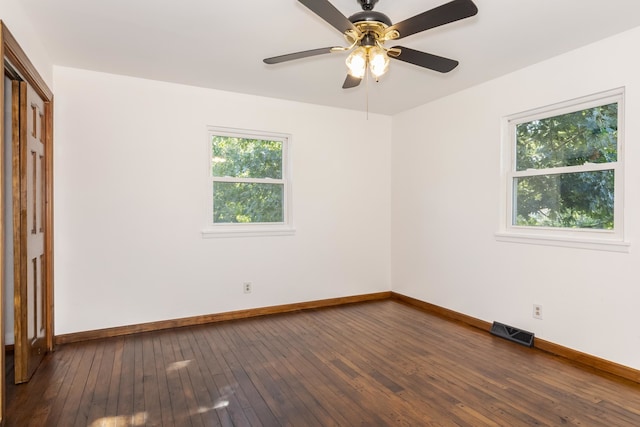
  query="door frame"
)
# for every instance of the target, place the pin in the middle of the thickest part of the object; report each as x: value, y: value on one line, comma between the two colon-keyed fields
x: 11, y: 51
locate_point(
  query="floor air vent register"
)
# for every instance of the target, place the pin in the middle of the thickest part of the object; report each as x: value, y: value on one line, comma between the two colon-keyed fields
x: 512, y: 334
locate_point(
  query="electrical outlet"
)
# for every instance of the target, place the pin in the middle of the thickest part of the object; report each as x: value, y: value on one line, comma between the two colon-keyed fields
x: 537, y: 311
x: 247, y: 287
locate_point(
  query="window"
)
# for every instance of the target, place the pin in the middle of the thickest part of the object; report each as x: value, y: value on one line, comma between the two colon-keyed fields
x: 564, y: 177
x: 249, y: 183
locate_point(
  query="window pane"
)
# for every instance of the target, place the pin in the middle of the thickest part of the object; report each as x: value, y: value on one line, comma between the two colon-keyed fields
x: 570, y: 139
x: 236, y: 202
x: 246, y: 158
x: 574, y: 200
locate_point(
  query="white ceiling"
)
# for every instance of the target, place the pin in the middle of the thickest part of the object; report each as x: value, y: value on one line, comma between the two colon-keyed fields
x: 220, y: 44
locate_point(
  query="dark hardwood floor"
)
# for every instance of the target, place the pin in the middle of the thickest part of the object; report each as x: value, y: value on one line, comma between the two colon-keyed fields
x: 375, y: 364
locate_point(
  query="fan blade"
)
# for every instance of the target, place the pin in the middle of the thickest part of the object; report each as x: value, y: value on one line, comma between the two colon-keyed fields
x: 297, y: 55
x: 426, y: 60
x: 351, y: 81
x: 329, y: 13
x: 441, y: 15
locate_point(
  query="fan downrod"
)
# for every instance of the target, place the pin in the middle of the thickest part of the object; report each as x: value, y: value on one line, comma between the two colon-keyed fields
x: 367, y: 4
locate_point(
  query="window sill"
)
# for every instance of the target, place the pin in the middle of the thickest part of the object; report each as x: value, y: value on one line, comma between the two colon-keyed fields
x: 247, y: 231
x: 567, y: 242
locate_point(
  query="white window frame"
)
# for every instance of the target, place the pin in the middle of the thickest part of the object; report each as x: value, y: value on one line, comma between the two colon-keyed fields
x: 608, y: 240
x: 285, y: 228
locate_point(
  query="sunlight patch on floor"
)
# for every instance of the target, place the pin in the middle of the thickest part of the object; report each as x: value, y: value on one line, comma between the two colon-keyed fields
x: 175, y: 366
x: 138, y: 419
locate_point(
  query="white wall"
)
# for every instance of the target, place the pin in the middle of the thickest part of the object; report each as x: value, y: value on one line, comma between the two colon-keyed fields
x: 446, y: 193
x: 131, y: 174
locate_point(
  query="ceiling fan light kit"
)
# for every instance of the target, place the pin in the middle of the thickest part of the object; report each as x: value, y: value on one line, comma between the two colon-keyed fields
x: 368, y: 30
x: 374, y: 57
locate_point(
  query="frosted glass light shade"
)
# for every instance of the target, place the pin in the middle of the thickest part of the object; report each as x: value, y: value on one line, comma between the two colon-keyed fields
x: 357, y: 62
x: 378, y: 61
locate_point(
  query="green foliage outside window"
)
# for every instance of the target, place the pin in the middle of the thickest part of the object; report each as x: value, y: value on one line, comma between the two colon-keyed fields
x: 580, y: 199
x: 242, y: 169
x: 246, y: 158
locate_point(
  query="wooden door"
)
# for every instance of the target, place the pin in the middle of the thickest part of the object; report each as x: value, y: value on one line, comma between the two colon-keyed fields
x: 29, y: 230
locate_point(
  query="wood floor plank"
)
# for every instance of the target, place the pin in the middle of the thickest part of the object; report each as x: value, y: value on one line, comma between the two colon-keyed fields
x: 318, y: 388
x: 86, y: 399
x: 377, y: 363
x: 374, y: 397
x: 111, y: 403
x: 240, y: 388
x: 152, y: 381
x: 198, y: 381
x: 334, y: 382
x: 275, y: 393
x: 216, y: 406
x: 164, y: 396
x: 176, y: 390
x: 138, y: 404
x: 97, y: 408
x: 78, y: 383
x: 271, y: 351
x: 126, y: 383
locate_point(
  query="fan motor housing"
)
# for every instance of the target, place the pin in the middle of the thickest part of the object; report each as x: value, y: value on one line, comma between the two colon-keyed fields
x: 370, y: 16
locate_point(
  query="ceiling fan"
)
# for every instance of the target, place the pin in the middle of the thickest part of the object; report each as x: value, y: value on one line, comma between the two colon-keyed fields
x: 367, y: 31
